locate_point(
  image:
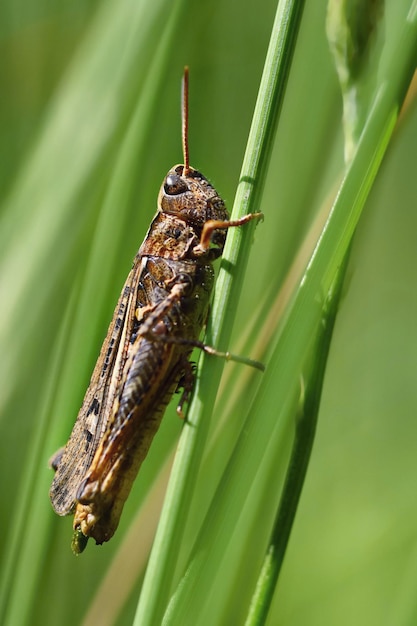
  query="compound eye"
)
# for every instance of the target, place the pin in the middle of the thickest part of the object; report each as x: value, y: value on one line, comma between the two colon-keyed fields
x: 174, y: 185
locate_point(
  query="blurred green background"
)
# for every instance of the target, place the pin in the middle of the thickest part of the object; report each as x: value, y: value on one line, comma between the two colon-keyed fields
x: 90, y: 123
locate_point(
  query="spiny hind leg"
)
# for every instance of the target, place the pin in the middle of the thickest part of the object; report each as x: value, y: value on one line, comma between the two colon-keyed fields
x: 186, y: 382
x: 150, y: 316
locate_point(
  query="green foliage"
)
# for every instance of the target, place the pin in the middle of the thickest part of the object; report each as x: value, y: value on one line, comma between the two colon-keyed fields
x: 90, y: 124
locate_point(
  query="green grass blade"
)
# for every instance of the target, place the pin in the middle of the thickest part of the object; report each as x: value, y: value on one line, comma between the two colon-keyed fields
x: 305, y: 430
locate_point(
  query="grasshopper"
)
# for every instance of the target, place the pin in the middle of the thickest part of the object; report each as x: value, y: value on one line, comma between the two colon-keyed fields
x: 144, y: 359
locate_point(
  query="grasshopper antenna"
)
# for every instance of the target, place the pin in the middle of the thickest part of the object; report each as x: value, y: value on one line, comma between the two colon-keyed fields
x: 185, y: 122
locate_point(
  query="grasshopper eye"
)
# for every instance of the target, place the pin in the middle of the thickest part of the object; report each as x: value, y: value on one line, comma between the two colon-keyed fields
x: 174, y: 185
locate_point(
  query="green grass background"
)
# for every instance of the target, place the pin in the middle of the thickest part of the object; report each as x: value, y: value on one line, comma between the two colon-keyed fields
x: 90, y: 123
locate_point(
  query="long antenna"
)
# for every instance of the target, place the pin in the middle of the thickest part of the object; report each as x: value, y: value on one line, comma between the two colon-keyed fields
x: 185, y: 122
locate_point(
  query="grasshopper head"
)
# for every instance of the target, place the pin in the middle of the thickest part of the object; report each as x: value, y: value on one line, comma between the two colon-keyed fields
x: 190, y: 197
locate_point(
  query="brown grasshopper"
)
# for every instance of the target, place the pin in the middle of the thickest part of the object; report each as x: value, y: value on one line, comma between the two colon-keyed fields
x: 144, y: 359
